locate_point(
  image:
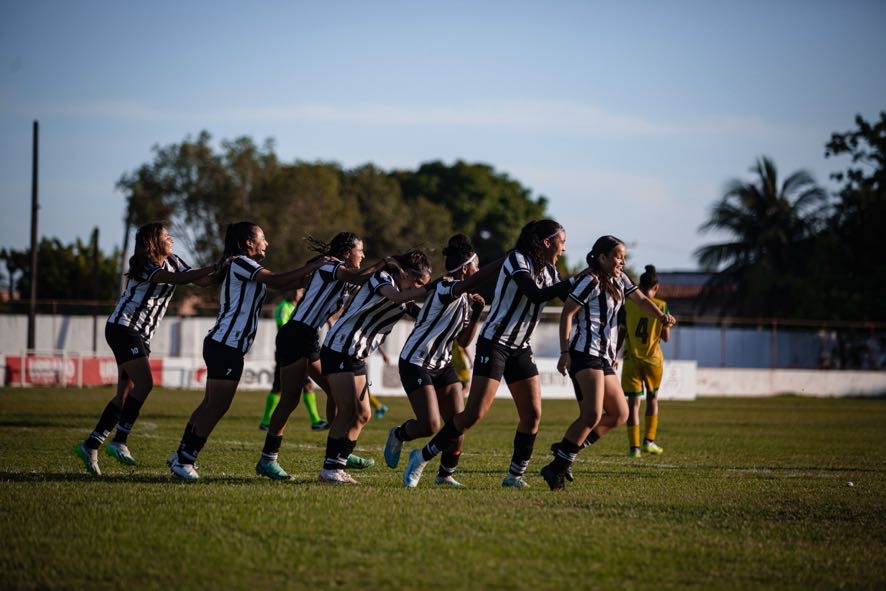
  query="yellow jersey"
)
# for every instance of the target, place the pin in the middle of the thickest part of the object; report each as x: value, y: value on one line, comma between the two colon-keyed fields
x: 643, y: 333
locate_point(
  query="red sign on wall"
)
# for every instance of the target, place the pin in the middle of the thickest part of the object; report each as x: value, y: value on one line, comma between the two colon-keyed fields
x: 40, y: 370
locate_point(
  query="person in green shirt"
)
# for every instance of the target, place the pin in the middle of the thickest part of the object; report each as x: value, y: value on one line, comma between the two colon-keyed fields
x: 282, y: 313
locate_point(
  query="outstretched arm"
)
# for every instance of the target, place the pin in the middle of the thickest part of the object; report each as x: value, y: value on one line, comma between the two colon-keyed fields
x: 289, y: 279
x: 359, y: 277
x: 483, y: 274
x: 199, y: 276
x: 645, y: 304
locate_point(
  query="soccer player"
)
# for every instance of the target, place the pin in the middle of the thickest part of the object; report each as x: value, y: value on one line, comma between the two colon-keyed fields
x: 588, y: 351
x: 154, y: 271
x: 244, y: 284
x: 383, y: 300
x: 282, y: 314
x: 450, y: 314
x: 527, y: 280
x: 643, y: 363
x: 298, y: 342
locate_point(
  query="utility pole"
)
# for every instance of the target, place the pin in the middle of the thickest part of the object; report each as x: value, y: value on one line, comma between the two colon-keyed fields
x: 95, y: 289
x: 32, y: 307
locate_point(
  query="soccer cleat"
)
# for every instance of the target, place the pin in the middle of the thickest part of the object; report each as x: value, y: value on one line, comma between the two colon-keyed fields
x: 651, y: 447
x: 414, y: 467
x: 263, y: 426
x: 393, y: 447
x: 358, y: 463
x: 513, y: 481
x: 173, y: 458
x: 553, y: 478
x: 568, y: 474
x: 89, y: 457
x: 336, y: 477
x: 634, y: 452
x: 381, y: 410
x: 120, y: 452
x: 322, y: 425
x: 186, y: 472
x: 272, y: 469
x: 448, y: 482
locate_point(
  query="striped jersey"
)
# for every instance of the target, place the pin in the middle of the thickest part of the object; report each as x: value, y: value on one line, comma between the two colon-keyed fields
x: 512, y: 315
x: 241, y: 300
x: 643, y: 332
x: 441, y: 319
x: 596, y: 323
x: 369, y: 318
x: 143, y: 303
x: 323, y: 295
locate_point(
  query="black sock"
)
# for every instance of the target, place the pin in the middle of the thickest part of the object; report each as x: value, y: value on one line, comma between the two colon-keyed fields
x: 190, y: 446
x: 104, y: 426
x: 401, y: 434
x: 332, y: 459
x: 272, y: 446
x: 564, y: 454
x: 444, y: 439
x: 128, y: 416
x: 591, y: 440
x: 523, y: 444
x: 448, y: 463
x: 347, y: 448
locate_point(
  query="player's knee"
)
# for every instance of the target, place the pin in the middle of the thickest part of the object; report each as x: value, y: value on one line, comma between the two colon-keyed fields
x: 362, y: 415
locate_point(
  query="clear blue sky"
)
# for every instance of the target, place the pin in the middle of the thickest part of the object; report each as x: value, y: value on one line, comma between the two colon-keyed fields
x: 629, y: 117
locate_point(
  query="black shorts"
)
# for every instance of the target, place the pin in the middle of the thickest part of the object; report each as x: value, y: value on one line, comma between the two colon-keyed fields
x: 493, y: 361
x: 297, y: 340
x: 275, y: 387
x: 222, y: 362
x: 579, y: 361
x: 414, y: 377
x: 125, y: 343
x: 335, y: 362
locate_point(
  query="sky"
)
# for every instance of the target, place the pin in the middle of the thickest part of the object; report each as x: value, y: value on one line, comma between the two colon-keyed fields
x: 629, y: 117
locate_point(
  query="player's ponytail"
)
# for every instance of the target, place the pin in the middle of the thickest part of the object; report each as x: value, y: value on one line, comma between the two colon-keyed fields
x: 648, y: 279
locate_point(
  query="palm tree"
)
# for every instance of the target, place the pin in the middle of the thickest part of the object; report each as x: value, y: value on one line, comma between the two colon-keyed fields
x: 768, y: 225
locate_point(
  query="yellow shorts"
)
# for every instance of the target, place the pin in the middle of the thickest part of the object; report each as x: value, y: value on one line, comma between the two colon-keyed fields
x: 636, y: 374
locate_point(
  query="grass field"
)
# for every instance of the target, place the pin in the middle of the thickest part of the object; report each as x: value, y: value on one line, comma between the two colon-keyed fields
x: 750, y: 493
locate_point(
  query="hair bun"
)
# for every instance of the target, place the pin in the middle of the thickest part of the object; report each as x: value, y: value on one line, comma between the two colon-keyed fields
x: 650, y: 268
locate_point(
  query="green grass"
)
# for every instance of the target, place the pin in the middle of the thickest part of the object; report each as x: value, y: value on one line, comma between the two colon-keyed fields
x: 749, y: 494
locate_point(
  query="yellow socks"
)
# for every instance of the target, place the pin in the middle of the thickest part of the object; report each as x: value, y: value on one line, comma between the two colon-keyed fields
x: 651, y: 427
x: 634, y: 435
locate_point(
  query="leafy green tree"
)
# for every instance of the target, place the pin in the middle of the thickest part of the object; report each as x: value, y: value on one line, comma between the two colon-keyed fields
x: 66, y: 271
x: 488, y: 206
x: 769, y: 227
x: 850, y: 249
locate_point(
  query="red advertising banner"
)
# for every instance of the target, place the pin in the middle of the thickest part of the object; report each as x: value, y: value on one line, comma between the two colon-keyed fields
x: 36, y: 370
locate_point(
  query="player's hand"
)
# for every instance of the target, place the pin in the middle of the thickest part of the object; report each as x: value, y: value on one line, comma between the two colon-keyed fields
x: 563, y: 362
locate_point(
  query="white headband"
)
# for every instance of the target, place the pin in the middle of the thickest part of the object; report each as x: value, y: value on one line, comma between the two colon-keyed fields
x: 472, y: 257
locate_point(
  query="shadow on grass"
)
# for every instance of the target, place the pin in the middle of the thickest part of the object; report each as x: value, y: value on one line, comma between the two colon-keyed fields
x: 163, y: 479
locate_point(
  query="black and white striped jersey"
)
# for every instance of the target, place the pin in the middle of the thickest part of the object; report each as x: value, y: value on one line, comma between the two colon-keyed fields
x: 441, y: 320
x: 368, y: 319
x: 512, y: 315
x: 594, y: 327
x: 143, y: 303
x: 323, y: 295
x: 241, y: 301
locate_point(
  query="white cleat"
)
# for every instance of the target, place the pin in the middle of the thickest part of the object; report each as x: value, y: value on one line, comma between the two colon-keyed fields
x: 120, y: 452
x: 512, y: 481
x: 448, y: 482
x: 187, y: 472
x: 414, y: 467
x: 89, y: 457
x: 338, y: 476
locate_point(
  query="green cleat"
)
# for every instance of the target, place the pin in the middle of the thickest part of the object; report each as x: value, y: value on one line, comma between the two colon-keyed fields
x: 358, y: 463
x: 272, y: 470
x: 634, y: 452
x: 89, y: 457
x: 120, y: 452
x: 650, y: 447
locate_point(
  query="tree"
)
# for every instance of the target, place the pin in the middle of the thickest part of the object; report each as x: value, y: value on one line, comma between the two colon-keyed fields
x: 66, y: 271
x: 770, y: 228
x: 486, y: 205
x: 851, y: 246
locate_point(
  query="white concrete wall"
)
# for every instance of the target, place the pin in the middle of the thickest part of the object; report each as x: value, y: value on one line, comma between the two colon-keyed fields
x: 811, y: 382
